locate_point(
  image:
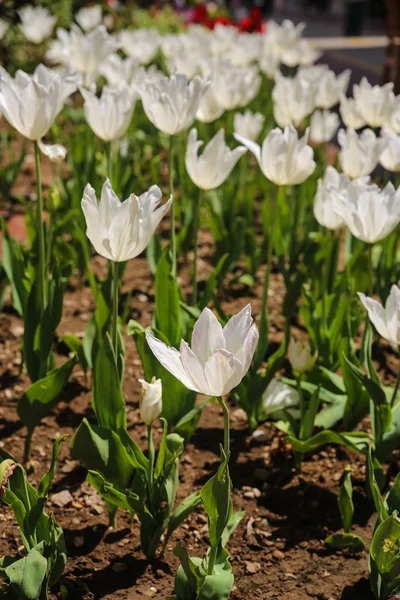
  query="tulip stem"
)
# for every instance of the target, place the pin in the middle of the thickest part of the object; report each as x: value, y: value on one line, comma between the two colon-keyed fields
x: 109, y: 162
x: 114, y: 325
x: 370, y: 271
x: 171, y: 189
x: 227, y: 444
x: 40, y: 229
x: 151, y: 462
x: 196, y: 221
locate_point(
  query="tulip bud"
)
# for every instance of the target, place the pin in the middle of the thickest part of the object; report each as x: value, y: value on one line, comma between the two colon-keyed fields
x: 151, y: 402
x: 300, y: 356
x: 7, y: 467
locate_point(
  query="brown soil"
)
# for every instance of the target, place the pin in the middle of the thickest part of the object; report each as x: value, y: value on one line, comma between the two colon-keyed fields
x: 277, y: 551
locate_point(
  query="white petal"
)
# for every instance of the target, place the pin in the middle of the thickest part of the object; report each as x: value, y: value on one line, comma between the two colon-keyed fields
x: 207, y: 336
x: 170, y: 358
x: 55, y: 152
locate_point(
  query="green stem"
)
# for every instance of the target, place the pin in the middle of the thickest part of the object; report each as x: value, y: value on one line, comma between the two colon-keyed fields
x: 171, y: 189
x: 109, y: 162
x: 196, y: 220
x: 324, y: 281
x: 114, y: 324
x: 395, y: 390
x: 27, y: 446
x: 212, y: 559
x: 301, y: 396
x: 227, y: 444
x: 40, y: 228
x: 151, y: 463
x: 370, y: 271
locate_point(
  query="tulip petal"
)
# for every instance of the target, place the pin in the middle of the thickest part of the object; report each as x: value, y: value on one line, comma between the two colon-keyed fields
x: 124, y: 229
x: 376, y: 314
x: 236, y: 330
x: 223, y: 372
x: 194, y: 368
x: 96, y: 230
x: 207, y: 336
x: 109, y: 204
x: 252, y: 146
x: 249, y: 348
x: 55, y: 152
x: 170, y: 358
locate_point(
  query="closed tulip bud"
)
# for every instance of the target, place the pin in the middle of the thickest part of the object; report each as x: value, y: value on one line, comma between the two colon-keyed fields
x: 37, y: 23
x: 331, y: 88
x: 371, y: 214
x: 350, y: 114
x: 359, y: 154
x: 209, y: 108
x: 283, y: 158
x: 151, y: 401
x: 386, y: 320
x: 300, y: 356
x: 323, y: 126
x: 219, y: 357
x: 209, y: 170
x: 324, y: 211
x: 279, y: 396
x: 375, y: 103
x: 171, y: 104
x: 7, y: 468
x: 90, y: 17
x: 110, y: 115
x: 248, y: 125
x: 119, y: 230
x: 390, y: 157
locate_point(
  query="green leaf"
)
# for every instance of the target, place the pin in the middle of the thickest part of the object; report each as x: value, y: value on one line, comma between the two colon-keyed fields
x: 385, y: 550
x: 13, y: 264
x: 219, y: 585
x: 138, y: 460
x: 357, y: 441
x: 27, y: 575
x: 107, y: 491
x: 31, y: 341
x: 345, y: 541
x: 47, y: 479
x: 357, y: 404
x: 107, y: 399
x: 186, y: 426
x: 392, y: 500
x: 212, y: 281
x: 233, y: 522
x: 181, y: 512
x: 42, y: 395
x: 76, y: 346
x: 345, y: 500
x: 167, y: 300
x: 215, y: 495
x: 374, y: 488
x: 190, y: 574
x: 307, y: 425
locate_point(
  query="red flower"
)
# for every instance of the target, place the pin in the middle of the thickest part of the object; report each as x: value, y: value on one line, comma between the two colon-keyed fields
x: 223, y: 21
x: 200, y: 13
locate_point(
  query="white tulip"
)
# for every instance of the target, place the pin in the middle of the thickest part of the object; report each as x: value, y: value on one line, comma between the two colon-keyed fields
x: 331, y: 88
x: 283, y: 158
x: 151, y: 401
x: 359, y: 154
x: 109, y: 116
x: 121, y: 230
x: 186, y: 64
x: 269, y: 63
x: 323, y: 126
x: 90, y: 17
x: 118, y: 70
x: 385, y: 320
x: 393, y: 122
x: 171, y: 104
x: 350, y: 114
x: 300, y: 357
x: 235, y: 87
x: 375, y: 103
x: 140, y: 44
x: 282, y: 37
x: 209, y: 170
x: 37, y: 23
x: 3, y: 28
x: 147, y: 75
x: 312, y: 75
x: 222, y: 39
x: 370, y: 213
x: 209, y: 108
x: 219, y: 357
x: 246, y: 50
x: 248, y: 124
x: 31, y: 103
x: 324, y: 211
x: 279, y: 396
x: 293, y: 99
x: 303, y: 53
x: 390, y: 157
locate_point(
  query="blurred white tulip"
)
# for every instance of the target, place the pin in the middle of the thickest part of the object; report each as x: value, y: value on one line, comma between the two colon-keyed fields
x: 393, y: 122
x: 219, y: 357
x: 370, y: 213
x: 140, y: 44
x: 151, y: 401
x: 209, y: 170
x: 386, y: 320
x: 89, y: 17
x: 350, y: 114
x: 300, y: 357
x: 119, y: 230
x: 303, y: 53
x: 374, y: 103
x: 331, y: 88
x: 323, y: 126
x: 281, y: 38
x: 324, y: 211
x: 118, y: 70
x: 294, y: 100
x: 283, y: 158
x: 235, y: 87
x: 390, y: 157
x: 248, y: 124
x: 110, y: 114
x: 209, y: 108
x: 37, y: 23
x: 359, y: 153
x: 171, y: 104
x: 269, y: 63
x: 279, y: 396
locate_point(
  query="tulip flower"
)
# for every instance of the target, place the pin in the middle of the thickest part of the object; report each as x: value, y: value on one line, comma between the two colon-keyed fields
x: 393, y: 121
x: 171, y: 104
x: 331, y: 88
x: 89, y: 17
x: 248, y: 125
x: 119, y: 230
x: 350, y: 114
x: 3, y: 28
x: 370, y: 213
x: 209, y: 108
x: 283, y: 37
x: 375, y: 103
x: 269, y: 63
x: 386, y: 320
x: 151, y: 401
x: 283, y: 158
x: 300, y: 356
x: 118, y: 71
x: 293, y: 99
x: 219, y: 357
x: 209, y: 170
x: 324, y: 211
x: 37, y: 23
x: 279, y: 396
x: 303, y: 53
x: 359, y: 154
x: 323, y: 126
x: 140, y: 44
x: 312, y: 75
x: 235, y: 87
x: 110, y: 115
x: 390, y: 157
